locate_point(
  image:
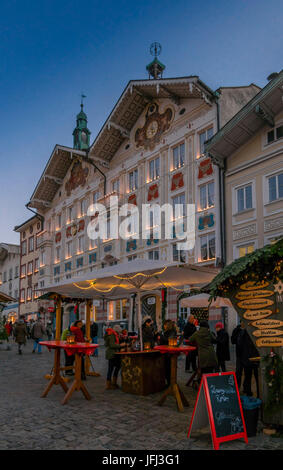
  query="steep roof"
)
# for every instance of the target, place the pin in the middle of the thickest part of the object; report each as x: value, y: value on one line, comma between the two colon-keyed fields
x: 258, y: 112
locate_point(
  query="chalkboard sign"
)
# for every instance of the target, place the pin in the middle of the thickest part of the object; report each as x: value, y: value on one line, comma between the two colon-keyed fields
x: 218, y: 404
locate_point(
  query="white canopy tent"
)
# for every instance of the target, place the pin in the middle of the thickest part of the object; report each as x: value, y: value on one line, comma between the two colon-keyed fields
x: 202, y: 301
x: 138, y: 276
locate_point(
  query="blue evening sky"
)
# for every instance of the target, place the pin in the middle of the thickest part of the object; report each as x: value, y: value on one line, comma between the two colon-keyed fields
x: 52, y: 50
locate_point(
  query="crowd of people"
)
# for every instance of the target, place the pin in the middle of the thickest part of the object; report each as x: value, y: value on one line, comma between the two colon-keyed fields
x: 211, y: 353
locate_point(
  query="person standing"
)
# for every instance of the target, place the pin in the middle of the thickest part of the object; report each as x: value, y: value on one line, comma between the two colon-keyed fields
x: 49, y: 331
x: 77, y: 330
x: 20, y: 333
x: 37, y: 332
x: 148, y: 335
x: 204, y: 341
x: 189, y: 330
x: 113, y: 345
x: 222, y: 346
x: 169, y: 331
x: 245, y: 349
x: 93, y: 335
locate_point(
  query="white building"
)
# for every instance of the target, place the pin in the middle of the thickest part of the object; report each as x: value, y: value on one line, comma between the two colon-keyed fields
x: 9, y: 277
x: 149, y: 151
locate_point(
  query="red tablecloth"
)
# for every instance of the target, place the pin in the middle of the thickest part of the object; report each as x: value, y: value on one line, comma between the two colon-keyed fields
x: 174, y: 349
x: 76, y: 348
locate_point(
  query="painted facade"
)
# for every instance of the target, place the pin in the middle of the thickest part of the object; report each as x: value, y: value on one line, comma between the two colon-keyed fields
x: 9, y: 277
x: 149, y: 151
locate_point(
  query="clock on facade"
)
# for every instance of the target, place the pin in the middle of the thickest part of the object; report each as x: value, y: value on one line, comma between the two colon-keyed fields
x: 155, y: 125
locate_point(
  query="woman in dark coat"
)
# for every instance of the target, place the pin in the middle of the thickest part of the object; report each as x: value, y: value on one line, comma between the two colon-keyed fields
x: 20, y: 333
x: 222, y: 346
x: 169, y: 331
x: 204, y: 341
x: 148, y: 335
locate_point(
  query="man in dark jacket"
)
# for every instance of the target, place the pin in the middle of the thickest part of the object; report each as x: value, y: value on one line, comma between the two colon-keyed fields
x: 93, y: 334
x: 244, y: 350
x: 204, y: 341
x: 222, y: 346
x: 169, y: 331
x: 20, y: 333
x: 148, y: 335
x: 189, y: 330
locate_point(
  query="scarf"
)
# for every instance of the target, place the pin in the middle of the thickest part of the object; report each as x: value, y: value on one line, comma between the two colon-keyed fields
x: 110, y: 331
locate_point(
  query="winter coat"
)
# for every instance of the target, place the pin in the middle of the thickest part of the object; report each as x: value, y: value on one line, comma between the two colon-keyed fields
x: 38, y: 330
x: 20, y: 332
x: 79, y: 336
x: 222, y: 346
x: 93, y: 330
x: 148, y: 335
x: 111, y: 345
x: 164, y: 337
x: 189, y: 330
x: 204, y: 339
x: 245, y: 348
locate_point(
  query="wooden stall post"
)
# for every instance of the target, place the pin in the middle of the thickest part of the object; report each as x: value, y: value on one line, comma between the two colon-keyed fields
x: 88, y: 363
x: 58, y: 319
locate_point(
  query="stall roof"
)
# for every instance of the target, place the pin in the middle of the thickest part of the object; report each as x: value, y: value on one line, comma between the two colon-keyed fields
x: 126, y: 278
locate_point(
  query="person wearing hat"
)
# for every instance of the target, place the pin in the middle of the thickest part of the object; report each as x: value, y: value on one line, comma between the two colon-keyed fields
x: 113, y: 345
x: 222, y: 346
x: 148, y: 335
x: 206, y: 354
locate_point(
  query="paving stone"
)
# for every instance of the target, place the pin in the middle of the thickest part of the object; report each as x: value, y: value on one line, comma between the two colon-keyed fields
x: 112, y: 420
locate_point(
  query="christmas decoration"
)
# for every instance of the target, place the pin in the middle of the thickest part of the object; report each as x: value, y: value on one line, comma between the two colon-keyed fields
x: 274, y: 380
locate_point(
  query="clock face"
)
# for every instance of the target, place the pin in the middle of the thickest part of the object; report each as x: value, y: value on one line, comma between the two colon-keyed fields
x: 152, y: 129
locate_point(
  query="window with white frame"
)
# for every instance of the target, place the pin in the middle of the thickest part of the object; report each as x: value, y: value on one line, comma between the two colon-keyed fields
x: 35, y: 291
x: 245, y: 249
x: 23, y: 271
x: 92, y: 243
x: 95, y: 197
x: 16, y: 271
x: 59, y: 221
x: 206, y: 196
x: 274, y: 134
x: 153, y: 255
x: 178, y: 255
x: 57, y: 254
x: 31, y: 244
x: 275, y: 187
x: 203, y: 137
x: 207, y: 247
x: 42, y: 258
x: 244, y: 198
x: 82, y: 209
x: 179, y: 206
x: 81, y: 244
x: 24, y: 247
x: 69, y: 247
x: 36, y: 265
x: 117, y: 310
x: 30, y: 267
x: 133, y: 180
x: 29, y: 294
x: 22, y: 295
x: 178, y: 156
x: 154, y: 169
x: 69, y: 215
x: 116, y: 186
x: 132, y: 257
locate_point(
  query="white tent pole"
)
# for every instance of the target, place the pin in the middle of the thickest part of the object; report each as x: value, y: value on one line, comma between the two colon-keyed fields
x: 140, y: 319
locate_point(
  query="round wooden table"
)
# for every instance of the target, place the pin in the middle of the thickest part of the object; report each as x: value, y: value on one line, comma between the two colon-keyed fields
x: 174, y: 388
x: 77, y: 349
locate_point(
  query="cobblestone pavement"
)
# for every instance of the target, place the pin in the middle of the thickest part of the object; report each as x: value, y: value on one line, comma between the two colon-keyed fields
x: 112, y: 420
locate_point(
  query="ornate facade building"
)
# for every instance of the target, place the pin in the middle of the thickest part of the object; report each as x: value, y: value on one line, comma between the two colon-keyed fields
x: 149, y: 151
x: 9, y: 278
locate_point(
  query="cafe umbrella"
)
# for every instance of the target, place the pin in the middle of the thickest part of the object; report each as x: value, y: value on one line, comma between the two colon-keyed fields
x: 137, y: 277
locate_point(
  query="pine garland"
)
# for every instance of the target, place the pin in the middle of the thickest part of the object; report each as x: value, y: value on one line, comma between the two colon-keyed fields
x: 274, y: 381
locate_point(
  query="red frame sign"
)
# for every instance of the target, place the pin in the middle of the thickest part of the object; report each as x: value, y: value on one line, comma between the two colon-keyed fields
x: 200, y: 413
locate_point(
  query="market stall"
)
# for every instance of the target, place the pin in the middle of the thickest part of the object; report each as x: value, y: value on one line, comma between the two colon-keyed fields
x: 122, y: 280
x: 254, y: 285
